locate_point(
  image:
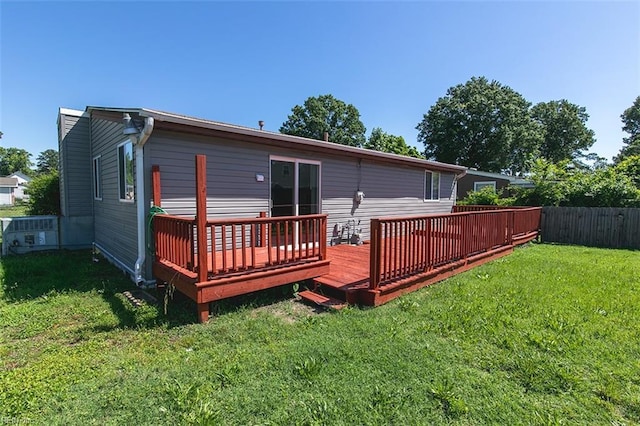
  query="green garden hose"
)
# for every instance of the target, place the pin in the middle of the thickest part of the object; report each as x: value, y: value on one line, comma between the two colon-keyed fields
x: 154, y: 210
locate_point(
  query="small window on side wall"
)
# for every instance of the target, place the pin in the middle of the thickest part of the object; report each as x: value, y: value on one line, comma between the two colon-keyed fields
x: 432, y: 186
x: 477, y: 186
x: 97, y: 178
x: 125, y: 171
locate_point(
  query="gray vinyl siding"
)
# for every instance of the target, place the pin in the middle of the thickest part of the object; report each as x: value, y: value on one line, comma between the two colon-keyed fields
x: 232, y: 189
x: 115, y: 220
x: 75, y: 166
x: 389, y: 191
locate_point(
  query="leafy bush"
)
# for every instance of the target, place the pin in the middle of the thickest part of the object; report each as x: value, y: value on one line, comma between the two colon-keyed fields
x: 602, y: 188
x: 561, y: 185
x: 486, y: 196
x: 44, y: 195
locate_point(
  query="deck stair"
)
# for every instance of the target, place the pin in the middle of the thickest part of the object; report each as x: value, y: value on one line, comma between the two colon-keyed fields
x: 322, y: 300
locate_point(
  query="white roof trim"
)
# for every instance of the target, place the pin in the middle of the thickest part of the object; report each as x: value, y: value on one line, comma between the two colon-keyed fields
x: 72, y: 112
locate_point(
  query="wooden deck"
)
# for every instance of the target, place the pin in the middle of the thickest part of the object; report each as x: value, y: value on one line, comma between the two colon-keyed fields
x: 406, y: 254
x: 209, y: 259
x: 348, y: 279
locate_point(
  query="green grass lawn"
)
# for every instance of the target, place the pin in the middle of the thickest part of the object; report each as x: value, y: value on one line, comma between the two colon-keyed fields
x: 13, y: 211
x: 547, y: 335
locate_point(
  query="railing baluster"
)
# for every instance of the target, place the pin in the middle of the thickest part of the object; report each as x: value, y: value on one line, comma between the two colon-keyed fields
x: 243, y: 245
x: 278, y: 241
x: 306, y: 235
x: 214, y: 250
x: 286, y: 240
x: 234, y: 247
x: 223, y: 248
x: 302, y: 224
x: 253, y: 247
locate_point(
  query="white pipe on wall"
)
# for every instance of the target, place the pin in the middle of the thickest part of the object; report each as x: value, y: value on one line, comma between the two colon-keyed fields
x: 139, y: 142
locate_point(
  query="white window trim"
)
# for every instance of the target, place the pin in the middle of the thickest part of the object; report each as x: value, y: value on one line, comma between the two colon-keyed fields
x: 484, y: 183
x: 97, y: 178
x: 124, y: 200
x: 424, y: 188
x: 297, y: 162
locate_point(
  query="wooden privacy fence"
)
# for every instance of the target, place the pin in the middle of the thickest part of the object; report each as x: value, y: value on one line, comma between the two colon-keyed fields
x: 401, y: 247
x: 592, y: 226
x: 240, y: 244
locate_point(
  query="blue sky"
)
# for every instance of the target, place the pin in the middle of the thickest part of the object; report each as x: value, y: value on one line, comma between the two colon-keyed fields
x: 248, y: 61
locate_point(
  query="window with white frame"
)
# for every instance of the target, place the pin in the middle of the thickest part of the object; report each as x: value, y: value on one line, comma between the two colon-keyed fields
x: 477, y: 186
x: 125, y: 171
x: 432, y: 186
x: 97, y: 178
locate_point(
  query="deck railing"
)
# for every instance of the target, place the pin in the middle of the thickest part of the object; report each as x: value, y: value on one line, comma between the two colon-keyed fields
x: 174, y: 240
x: 526, y: 221
x: 241, y: 244
x: 401, y: 247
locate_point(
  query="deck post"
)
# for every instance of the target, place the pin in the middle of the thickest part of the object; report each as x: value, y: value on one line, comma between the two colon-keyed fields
x: 201, y: 218
x: 263, y: 231
x: 374, y: 254
x: 155, y: 182
x: 203, y: 312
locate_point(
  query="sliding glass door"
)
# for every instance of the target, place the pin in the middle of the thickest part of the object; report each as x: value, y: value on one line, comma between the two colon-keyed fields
x: 295, y: 187
x: 295, y: 191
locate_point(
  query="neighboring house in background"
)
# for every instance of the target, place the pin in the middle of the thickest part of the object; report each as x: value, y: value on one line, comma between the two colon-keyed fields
x: 105, y: 178
x: 8, y: 187
x: 475, y: 180
x: 23, y: 182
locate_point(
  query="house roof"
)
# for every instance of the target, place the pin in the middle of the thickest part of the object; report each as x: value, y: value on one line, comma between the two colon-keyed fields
x: 20, y: 175
x: 513, y: 180
x: 7, y: 182
x: 169, y: 120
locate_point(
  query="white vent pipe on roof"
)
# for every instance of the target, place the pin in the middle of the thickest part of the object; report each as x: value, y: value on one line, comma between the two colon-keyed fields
x: 138, y: 141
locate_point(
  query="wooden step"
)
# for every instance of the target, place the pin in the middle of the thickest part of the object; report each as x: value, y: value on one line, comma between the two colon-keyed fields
x: 319, y: 299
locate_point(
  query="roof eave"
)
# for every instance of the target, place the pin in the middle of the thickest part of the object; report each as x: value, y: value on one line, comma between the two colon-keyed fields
x: 297, y: 140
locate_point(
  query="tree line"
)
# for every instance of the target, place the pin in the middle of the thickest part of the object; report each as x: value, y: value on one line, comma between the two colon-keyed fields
x: 481, y: 124
x: 19, y: 160
x: 489, y: 126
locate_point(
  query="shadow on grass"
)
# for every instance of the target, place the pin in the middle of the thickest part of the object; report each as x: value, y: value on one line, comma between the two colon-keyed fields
x: 32, y: 276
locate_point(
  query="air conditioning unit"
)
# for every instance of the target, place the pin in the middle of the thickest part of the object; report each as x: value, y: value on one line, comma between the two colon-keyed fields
x: 29, y: 233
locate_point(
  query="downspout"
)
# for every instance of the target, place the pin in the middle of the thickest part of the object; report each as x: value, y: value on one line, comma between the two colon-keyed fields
x: 456, y: 179
x: 139, y: 141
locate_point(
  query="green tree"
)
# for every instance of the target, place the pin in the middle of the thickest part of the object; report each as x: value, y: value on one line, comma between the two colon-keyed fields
x: 631, y: 120
x: 44, y: 195
x: 326, y: 114
x: 14, y: 160
x: 47, y: 162
x: 630, y: 167
x: 546, y: 190
x: 385, y: 142
x: 565, y: 133
x: 481, y: 124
